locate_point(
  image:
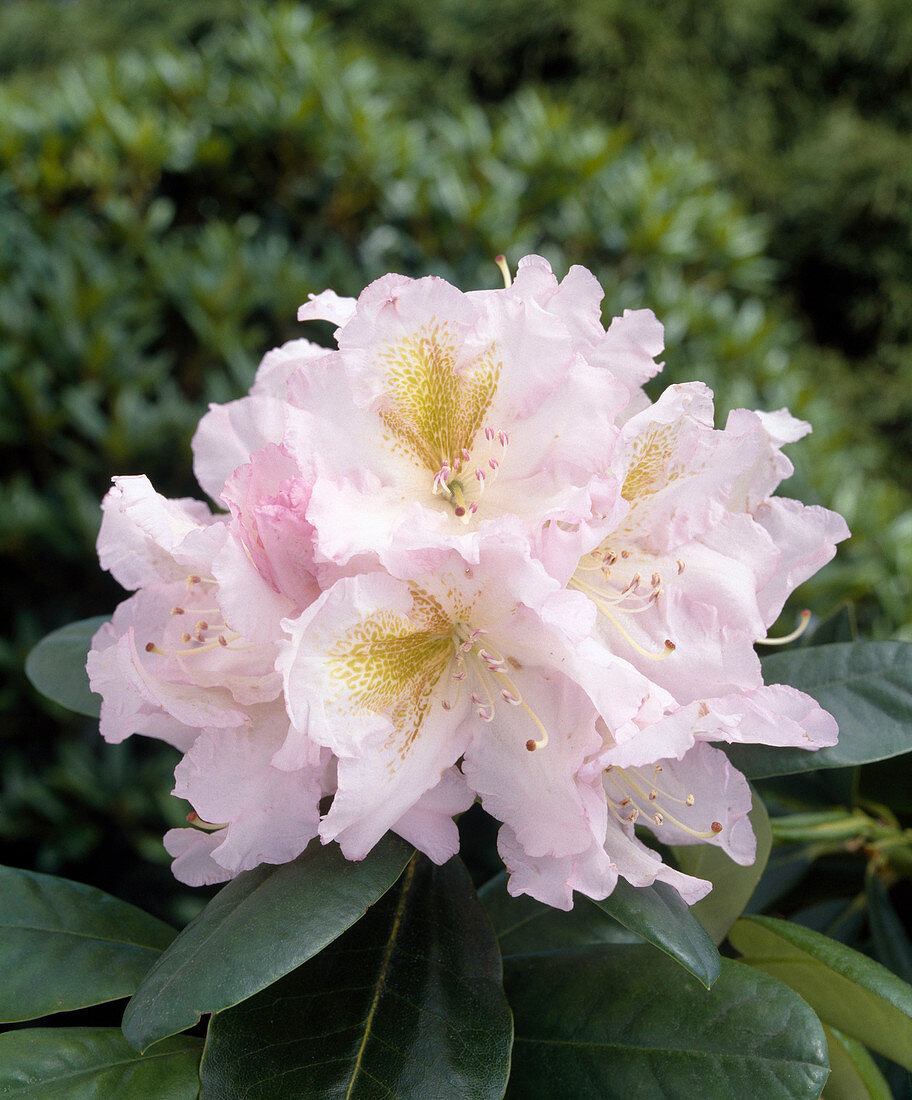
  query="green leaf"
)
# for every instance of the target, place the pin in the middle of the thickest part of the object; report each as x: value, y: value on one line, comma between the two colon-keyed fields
x: 732, y: 884
x: 853, y: 1072
x: 56, y: 666
x: 848, y: 990
x: 866, y: 686
x: 624, y: 1021
x: 524, y: 925
x: 891, y: 944
x: 263, y: 924
x: 661, y: 916
x: 64, y: 945
x: 88, y: 1063
x: 408, y: 1003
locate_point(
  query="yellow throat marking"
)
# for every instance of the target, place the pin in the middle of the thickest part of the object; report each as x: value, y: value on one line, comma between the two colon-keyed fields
x: 391, y: 662
x: 434, y: 407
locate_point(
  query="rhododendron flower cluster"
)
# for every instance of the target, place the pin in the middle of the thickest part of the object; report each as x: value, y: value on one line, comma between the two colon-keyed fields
x: 463, y: 556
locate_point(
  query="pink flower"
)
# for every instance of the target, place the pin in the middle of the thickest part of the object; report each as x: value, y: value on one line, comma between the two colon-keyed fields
x: 173, y: 665
x: 401, y: 678
x: 443, y: 411
x: 464, y: 557
x: 698, y: 566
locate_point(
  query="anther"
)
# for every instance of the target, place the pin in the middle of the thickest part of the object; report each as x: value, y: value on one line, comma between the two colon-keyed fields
x: 479, y: 474
x: 658, y: 819
x: 503, y: 437
x: 445, y: 704
x: 493, y: 463
x: 194, y: 579
x: 469, y: 573
x: 151, y: 647
x: 489, y: 434
x: 510, y: 698
x: 222, y: 640
x: 485, y: 715
x: 466, y: 454
x: 185, y: 637
x: 689, y: 800
x: 653, y: 795
x: 201, y: 625
x: 177, y: 611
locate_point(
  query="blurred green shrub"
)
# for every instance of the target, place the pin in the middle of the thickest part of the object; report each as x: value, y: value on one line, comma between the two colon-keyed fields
x: 163, y: 213
x: 805, y: 104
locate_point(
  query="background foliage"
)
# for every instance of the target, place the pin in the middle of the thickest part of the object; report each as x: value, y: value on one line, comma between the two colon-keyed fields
x: 175, y: 179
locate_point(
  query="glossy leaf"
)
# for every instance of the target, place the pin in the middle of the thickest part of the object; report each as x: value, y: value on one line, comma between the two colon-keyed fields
x: 847, y: 989
x: 732, y: 883
x: 64, y: 945
x: 853, y: 1072
x: 260, y: 926
x: 659, y: 915
x: 56, y: 666
x: 408, y: 1004
x: 87, y: 1063
x: 625, y: 1021
x: 866, y: 686
x: 525, y: 926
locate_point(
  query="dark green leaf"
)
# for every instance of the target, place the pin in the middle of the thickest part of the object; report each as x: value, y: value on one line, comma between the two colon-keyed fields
x: 624, y: 1021
x: 732, y: 884
x: 64, y: 945
x: 409, y: 1004
x: 524, y: 925
x: 659, y: 915
x: 846, y: 989
x: 866, y: 686
x: 87, y: 1063
x: 56, y: 666
x: 260, y: 926
x: 853, y: 1072
x: 891, y: 944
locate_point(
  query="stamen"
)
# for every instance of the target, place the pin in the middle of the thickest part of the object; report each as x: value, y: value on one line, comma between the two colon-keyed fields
x: 602, y: 604
x: 193, y: 818
x: 501, y: 262
x: 804, y: 619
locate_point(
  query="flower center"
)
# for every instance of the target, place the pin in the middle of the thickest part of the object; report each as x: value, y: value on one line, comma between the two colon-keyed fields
x: 632, y: 793
x: 434, y: 408
x: 490, y: 673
